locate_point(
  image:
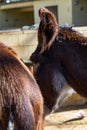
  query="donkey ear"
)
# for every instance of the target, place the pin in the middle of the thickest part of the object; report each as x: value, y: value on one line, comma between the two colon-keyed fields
x: 53, y: 36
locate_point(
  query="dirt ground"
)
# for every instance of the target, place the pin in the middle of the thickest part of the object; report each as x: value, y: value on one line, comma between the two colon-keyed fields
x: 68, y: 118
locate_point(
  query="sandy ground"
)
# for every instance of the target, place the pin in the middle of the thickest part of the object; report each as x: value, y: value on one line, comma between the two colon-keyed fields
x: 68, y: 118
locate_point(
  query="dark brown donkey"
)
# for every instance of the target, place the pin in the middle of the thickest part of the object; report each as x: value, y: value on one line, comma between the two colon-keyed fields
x: 53, y: 85
x: 69, y: 49
x: 49, y: 74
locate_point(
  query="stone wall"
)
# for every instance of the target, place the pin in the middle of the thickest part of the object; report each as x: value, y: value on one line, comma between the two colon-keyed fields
x: 23, y: 42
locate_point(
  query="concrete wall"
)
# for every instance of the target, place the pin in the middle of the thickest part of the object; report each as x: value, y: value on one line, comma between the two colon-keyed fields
x: 15, y: 18
x: 16, y: 15
x: 27, y: 14
x: 23, y: 42
x: 79, y: 12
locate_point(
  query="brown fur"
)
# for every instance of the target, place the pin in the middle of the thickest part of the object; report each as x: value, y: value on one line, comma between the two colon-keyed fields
x: 70, y: 50
x: 47, y: 28
x: 72, y: 35
x: 72, y: 54
x: 19, y: 93
x: 53, y: 85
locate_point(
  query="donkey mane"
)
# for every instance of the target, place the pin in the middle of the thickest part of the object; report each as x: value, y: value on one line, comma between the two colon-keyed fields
x: 72, y: 35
